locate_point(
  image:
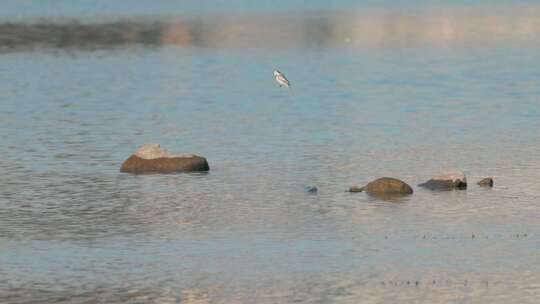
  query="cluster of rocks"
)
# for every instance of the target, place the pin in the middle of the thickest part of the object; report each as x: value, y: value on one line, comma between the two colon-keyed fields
x: 151, y: 158
x: 391, y: 186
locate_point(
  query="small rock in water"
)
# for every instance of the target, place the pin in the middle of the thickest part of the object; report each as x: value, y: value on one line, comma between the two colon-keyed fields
x: 387, y: 187
x: 486, y: 182
x: 449, y: 181
x: 311, y: 189
x: 356, y: 189
x: 151, y: 158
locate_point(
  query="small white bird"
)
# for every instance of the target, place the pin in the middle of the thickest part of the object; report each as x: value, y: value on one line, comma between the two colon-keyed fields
x: 281, y: 79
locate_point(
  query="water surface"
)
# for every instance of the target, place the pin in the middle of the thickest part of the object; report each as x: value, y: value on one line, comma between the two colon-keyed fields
x: 385, y: 91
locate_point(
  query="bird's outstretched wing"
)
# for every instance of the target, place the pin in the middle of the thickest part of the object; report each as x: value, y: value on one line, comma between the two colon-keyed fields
x: 282, y: 80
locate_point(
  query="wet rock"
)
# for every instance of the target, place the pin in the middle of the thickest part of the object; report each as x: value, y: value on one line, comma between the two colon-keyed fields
x: 151, y: 158
x: 311, y: 189
x: 449, y: 181
x: 388, y: 186
x: 356, y: 189
x: 486, y: 182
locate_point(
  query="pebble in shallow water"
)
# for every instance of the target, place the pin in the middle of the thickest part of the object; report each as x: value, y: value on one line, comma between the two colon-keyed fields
x: 311, y: 189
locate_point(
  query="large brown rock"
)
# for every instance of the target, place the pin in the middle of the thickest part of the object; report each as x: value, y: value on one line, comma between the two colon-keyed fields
x: 151, y: 158
x: 449, y: 181
x: 388, y: 186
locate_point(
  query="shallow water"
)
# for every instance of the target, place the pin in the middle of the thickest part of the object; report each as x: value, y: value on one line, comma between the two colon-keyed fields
x: 409, y: 101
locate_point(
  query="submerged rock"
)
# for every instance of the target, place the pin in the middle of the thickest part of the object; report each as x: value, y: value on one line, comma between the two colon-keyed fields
x: 388, y: 186
x: 151, y: 158
x: 486, y: 182
x: 449, y: 181
x: 356, y: 189
x: 311, y: 189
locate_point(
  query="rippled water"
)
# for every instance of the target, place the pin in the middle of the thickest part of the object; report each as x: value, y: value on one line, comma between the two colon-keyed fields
x: 407, y: 102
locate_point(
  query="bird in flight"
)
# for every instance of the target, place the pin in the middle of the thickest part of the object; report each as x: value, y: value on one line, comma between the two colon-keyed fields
x: 281, y: 79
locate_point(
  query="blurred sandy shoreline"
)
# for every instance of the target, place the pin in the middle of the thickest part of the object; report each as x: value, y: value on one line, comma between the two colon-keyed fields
x: 370, y: 28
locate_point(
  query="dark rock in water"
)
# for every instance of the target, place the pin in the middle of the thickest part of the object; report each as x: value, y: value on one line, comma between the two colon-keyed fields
x: 486, y: 182
x: 456, y: 180
x: 356, y: 189
x: 388, y: 186
x: 311, y: 189
x: 151, y: 158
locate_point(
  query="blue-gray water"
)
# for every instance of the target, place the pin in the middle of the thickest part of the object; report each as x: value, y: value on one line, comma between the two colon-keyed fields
x: 435, y: 90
